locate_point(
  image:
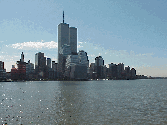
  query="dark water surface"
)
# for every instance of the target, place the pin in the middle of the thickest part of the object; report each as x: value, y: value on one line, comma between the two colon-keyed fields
x: 84, y: 102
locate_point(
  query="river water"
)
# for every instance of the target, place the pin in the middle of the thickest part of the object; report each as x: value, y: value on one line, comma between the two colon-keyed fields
x: 84, y: 102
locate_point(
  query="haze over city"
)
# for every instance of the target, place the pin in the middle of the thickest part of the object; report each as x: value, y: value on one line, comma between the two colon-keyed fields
x: 124, y: 31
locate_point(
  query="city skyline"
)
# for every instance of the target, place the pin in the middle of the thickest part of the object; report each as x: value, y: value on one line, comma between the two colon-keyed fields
x: 139, y: 43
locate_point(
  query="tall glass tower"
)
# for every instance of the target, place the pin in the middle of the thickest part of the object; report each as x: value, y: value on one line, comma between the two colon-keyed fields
x: 67, y: 36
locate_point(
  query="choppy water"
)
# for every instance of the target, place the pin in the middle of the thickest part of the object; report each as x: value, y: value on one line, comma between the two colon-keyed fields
x: 84, y: 102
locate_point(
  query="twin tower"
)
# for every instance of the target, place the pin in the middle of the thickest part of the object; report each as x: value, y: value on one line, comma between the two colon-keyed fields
x: 67, y: 43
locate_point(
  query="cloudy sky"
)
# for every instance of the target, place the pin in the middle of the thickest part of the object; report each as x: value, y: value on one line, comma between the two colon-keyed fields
x: 130, y: 31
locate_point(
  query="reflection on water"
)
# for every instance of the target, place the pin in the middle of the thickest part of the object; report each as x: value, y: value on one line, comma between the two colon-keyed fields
x: 84, y: 102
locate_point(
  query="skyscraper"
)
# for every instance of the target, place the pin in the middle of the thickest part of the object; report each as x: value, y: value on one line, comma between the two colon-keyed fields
x: 2, y: 71
x: 67, y: 39
x: 29, y: 70
x: 99, y: 61
x: 40, y: 60
x: 63, y: 35
x: 99, y: 67
x: 49, y: 63
x: 73, y: 39
x: 40, y: 65
x: 83, y: 58
x: 1, y: 65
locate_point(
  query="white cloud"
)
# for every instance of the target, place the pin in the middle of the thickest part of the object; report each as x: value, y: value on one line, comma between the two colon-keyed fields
x: 35, y: 45
x: 145, y: 54
x: 54, y: 59
x: 152, y: 70
x: 79, y: 46
x: 91, y: 55
x: 80, y: 42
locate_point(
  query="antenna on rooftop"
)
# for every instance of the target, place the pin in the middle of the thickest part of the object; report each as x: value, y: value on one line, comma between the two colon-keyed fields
x: 63, y: 16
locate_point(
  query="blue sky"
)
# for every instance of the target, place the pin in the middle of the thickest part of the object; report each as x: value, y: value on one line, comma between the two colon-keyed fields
x: 130, y: 31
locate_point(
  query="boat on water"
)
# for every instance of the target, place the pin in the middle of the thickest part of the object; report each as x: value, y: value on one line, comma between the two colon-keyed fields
x: 101, y: 79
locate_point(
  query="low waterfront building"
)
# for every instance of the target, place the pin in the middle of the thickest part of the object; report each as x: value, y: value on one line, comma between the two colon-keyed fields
x: 99, y: 67
x: 53, y: 74
x: 133, y: 73
x: 20, y: 72
x: 128, y: 72
x: 78, y: 72
x: 29, y: 70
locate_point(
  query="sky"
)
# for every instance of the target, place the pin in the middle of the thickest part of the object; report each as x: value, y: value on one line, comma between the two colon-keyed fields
x: 132, y: 32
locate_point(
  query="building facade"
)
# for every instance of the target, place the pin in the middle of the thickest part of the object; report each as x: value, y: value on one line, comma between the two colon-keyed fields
x: 99, y: 61
x: 49, y: 63
x: 20, y: 72
x: 2, y: 71
x: 29, y: 70
x: 40, y: 66
x: 63, y: 39
x: 67, y: 45
x: 73, y: 39
x: 99, y: 67
x: 83, y: 58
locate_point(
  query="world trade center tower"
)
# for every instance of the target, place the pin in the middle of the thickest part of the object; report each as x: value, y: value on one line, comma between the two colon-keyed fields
x: 67, y: 44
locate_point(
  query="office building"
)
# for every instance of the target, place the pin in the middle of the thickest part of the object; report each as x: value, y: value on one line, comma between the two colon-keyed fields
x: 120, y: 70
x: 70, y: 61
x: 49, y: 63
x: 133, y: 73
x: 67, y: 45
x: 21, y: 68
x: 14, y: 73
x: 54, y: 73
x: 78, y: 72
x: 54, y: 66
x: 99, y: 61
x: 83, y: 58
x: 128, y: 72
x: 40, y: 66
x: 29, y: 70
x: 75, y: 68
x: 20, y: 72
x: 99, y: 67
x: 73, y: 39
x: 40, y: 60
x: 92, y: 72
x: 112, y: 71
x: 2, y: 71
x: 1, y: 65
